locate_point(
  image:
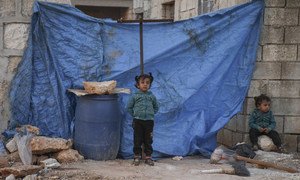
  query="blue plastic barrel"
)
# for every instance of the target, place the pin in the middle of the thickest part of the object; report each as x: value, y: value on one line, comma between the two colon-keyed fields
x: 97, y: 126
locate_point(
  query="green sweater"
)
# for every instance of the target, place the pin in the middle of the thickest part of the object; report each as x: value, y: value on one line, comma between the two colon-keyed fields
x: 142, y: 105
x: 260, y: 119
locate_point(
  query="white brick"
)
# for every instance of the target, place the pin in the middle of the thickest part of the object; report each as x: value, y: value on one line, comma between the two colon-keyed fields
x: 3, y: 68
x: 15, y: 35
x: 285, y: 106
x: 288, y: 89
x: 293, y: 3
x: 292, y: 34
x: 281, y: 16
x: 272, y: 34
x: 267, y: 70
x: 280, y: 53
x: 291, y: 70
x: 7, y: 8
x: 292, y: 125
x: 274, y: 3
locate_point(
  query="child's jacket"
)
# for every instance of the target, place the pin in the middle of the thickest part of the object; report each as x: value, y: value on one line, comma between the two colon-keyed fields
x: 260, y: 119
x: 142, y: 105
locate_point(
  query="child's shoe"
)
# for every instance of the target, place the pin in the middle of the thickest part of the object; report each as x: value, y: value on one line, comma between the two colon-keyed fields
x: 149, y: 161
x: 136, y: 161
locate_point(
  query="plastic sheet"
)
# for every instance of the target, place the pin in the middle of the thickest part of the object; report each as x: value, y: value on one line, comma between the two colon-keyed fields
x: 202, y: 69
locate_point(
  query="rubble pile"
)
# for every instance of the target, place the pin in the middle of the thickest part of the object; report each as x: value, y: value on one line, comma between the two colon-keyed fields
x: 27, y: 154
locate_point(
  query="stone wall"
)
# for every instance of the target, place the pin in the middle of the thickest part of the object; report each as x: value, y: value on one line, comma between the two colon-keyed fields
x: 14, y: 29
x: 277, y: 74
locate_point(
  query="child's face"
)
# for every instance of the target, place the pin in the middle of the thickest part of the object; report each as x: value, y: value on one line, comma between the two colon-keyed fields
x: 264, y: 106
x: 144, y: 84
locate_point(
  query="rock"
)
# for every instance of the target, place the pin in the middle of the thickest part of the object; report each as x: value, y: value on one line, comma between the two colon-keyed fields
x: 67, y: 156
x: 44, y: 145
x: 3, y: 161
x: 31, y: 177
x: 41, y: 158
x: 10, y: 177
x: 20, y: 171
x: 28, y: 128
x: 11, y: 146
x: 50, y: 163
x: 266, y: 143
x: 14, y: 157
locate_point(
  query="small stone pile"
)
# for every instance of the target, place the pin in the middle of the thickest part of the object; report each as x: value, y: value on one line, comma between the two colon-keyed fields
x: 34, y: 154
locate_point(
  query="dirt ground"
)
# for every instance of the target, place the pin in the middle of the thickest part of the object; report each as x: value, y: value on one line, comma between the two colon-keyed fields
x: 167, y: 168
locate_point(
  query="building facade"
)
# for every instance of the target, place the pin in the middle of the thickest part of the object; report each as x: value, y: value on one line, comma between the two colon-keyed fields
x: 277, y: 72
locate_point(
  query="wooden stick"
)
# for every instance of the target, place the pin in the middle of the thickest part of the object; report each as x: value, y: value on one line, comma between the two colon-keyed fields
x: 266, y: 164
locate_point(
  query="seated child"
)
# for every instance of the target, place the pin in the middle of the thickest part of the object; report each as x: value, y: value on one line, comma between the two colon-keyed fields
x: 262, y: 122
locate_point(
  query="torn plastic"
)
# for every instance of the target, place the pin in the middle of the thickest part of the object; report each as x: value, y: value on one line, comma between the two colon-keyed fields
x: 23, y: 143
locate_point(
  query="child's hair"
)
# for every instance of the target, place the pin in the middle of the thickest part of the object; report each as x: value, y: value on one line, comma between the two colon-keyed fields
x: 259, y: 99
x: 143, y: 76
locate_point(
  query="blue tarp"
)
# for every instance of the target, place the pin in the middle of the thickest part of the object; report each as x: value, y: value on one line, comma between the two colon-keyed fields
x: 202, y: 69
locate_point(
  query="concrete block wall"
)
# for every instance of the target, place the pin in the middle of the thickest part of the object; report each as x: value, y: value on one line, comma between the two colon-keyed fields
x: 277, y: 74
x: 14, y: 30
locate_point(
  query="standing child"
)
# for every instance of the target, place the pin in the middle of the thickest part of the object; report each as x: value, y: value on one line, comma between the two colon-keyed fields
x: 262, y: 122
x: 142, y: 106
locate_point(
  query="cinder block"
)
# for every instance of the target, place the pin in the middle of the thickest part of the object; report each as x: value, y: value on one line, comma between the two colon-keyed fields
x: 237, y: 138
x: 258, y: 87
x: 272, y: 34
x: 282, y: 88
x: 246, y: 138
x: 13, y: 63
x: 279, y: 124
x: 259, y: 53
x: 290, y: 142
x: 274, y: 3
x: 292, y: 125
x: 298, y: 53
x: 7, y: 8
x: 220, y: 137
x: 280, y: 53
x: 241, y: 123
x: 267, y: 70
x: 3, y: 68
x: 250, y: 105
x: 15, y: 35
x: 292, y: 34
x: 285, y: 106
x: 228, y: 140
x: 293, y: 3
x: 281, y: 16
x: 291, y: 70
x: 231, y: 125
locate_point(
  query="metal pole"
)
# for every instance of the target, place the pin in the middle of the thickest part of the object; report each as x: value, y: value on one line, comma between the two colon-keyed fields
x: 141, y: 45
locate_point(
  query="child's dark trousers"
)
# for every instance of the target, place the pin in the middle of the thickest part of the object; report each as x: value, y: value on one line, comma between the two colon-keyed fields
x: 143, y: 130
x: 254, y: 134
